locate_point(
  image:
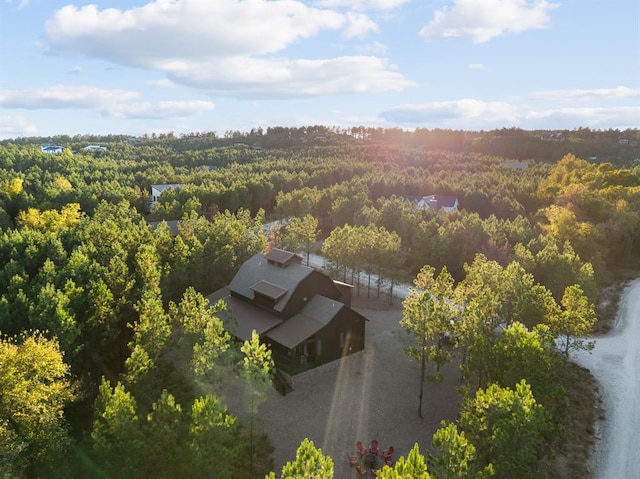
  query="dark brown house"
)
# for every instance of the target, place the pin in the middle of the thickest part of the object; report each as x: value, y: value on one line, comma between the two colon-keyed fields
x: 300, y: 312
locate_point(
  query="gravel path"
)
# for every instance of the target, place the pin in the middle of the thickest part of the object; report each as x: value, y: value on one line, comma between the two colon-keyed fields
x: 370, y: 395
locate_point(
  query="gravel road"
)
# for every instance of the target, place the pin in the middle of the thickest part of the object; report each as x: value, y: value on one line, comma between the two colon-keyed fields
x: 615, y: 362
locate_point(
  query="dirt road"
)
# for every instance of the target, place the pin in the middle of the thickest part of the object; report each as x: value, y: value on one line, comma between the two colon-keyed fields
x: 615, y: 362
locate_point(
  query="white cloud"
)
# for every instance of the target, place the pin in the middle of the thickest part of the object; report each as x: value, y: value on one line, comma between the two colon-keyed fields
x: 161, y: 83
x: 181, y: 29
x: 601, y: 93
x: 482, y: 20
x: 63, y: 96
x: 225, y: 46
x: 452, y: 111
x: 159, y: 110
x: 476, y: 115
x: 259, y: 78
x: 593, y: 117
x: 374, y: 48
x: 362, y: 4
x: 477, y: 66
x: 109, y: 102
x: 15, y: 126
x: 359, y: 26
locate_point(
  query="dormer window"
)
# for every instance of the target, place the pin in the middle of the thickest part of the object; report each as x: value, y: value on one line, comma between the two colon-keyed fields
x: 267, y: 294
x: 270, y: 290
x: 282, y: 258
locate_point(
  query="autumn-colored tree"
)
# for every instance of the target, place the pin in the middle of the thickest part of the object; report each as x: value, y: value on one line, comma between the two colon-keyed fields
x: 35, y: 387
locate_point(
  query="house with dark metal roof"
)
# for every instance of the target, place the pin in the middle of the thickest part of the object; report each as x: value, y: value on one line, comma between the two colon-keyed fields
x: 303, y: 315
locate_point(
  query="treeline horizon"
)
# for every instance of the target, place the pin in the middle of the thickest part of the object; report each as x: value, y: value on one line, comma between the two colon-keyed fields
x: 611, y: 145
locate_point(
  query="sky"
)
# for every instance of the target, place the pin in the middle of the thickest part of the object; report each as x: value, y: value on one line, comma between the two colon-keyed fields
x: 157, y: 66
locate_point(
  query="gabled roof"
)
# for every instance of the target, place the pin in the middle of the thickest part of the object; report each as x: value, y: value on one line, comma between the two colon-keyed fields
x: 259, y: 278
x: 172, y: 224
x: 242, y: 318
x: 316, y: 314
x: 439, y: 201
x: 445, y: 201
x: 168, y: 186
x: 259, y: 268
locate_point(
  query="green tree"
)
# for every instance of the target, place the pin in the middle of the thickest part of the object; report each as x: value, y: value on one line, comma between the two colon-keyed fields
x: 518, y: 354
x: 427, y: 316
x: 390, y: 260
x: 152, y: 330
x: 300, y: 234
x: 212, y: 346
x: 574, y: 322
x: 339, y: 250
x: 455, y: 456
x: 522, y: 300
x: 166, y: 454
x: 166, y: 442
x: 213, y: 428
x: 508, y: 428
x: 257, y: 370
x: 310, y: 463
x: 117, y: 441
x: 414, y: 466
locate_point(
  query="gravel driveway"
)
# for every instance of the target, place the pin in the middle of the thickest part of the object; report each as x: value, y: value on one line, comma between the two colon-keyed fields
x: 370, y: 395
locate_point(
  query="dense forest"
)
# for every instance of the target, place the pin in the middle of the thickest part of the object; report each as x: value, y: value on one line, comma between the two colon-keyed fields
x: 113, y: 363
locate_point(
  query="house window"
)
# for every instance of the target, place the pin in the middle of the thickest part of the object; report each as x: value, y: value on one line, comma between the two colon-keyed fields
x: 319, y: 348
x: 342, y: 339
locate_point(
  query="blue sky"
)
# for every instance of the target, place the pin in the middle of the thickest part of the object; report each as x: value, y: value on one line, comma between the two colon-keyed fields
x: 145, y: 66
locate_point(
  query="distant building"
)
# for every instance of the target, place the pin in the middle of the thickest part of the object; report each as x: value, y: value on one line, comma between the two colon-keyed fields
x: 552, y: 137
x: 95, y: 148
x: 157, y: 190
x: 54, y: 149
x: 436, y: 203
